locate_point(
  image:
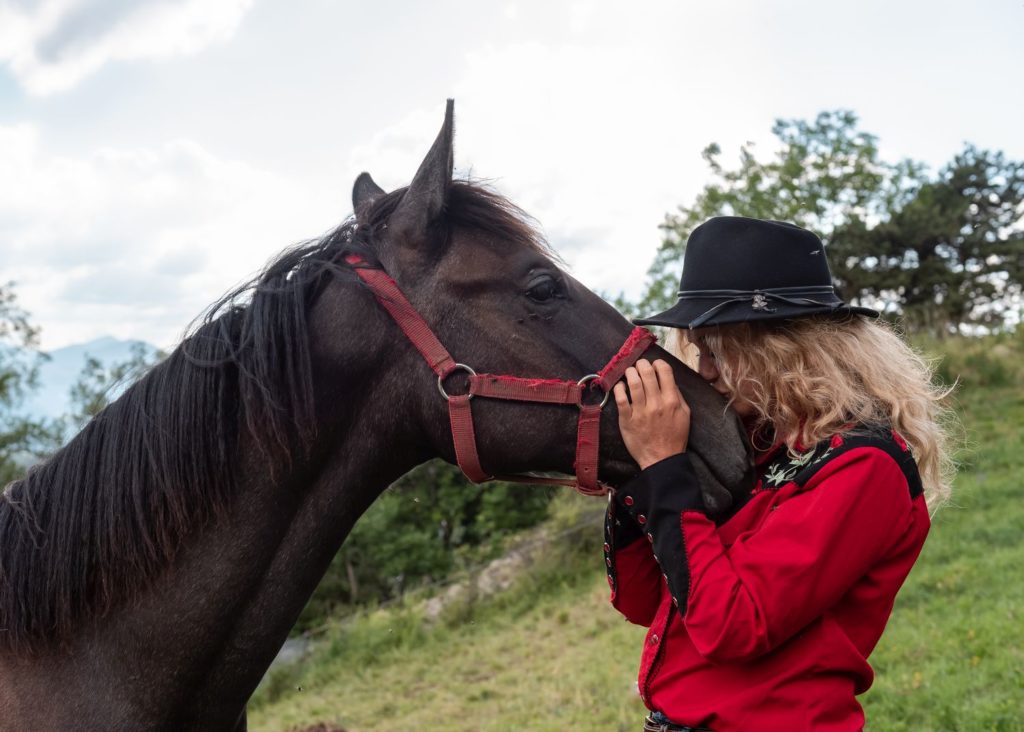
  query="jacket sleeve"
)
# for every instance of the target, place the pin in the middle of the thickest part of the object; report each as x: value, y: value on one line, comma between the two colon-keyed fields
x: 633, y: 575
x: 743, y: 601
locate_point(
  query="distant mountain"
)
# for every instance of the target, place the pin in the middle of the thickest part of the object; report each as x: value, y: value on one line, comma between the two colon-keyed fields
x: 57, y: 375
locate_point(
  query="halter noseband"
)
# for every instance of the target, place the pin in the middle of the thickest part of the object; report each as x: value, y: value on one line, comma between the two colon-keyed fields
x: 514, y: 388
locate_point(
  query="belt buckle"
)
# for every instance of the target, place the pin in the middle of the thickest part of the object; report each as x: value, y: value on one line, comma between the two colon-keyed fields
x: 652, y: 725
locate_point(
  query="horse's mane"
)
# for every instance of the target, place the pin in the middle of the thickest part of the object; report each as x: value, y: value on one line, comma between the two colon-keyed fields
x: 87, y: 530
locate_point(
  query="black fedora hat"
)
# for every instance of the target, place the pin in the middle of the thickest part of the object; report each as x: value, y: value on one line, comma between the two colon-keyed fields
x: 739, y: 270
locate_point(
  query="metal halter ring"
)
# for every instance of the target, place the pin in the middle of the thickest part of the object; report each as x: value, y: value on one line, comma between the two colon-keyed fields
x: 456, y: 367
x: 586, y: 380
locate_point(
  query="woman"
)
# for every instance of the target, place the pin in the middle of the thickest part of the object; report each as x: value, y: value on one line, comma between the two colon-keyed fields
x: 763, y: 619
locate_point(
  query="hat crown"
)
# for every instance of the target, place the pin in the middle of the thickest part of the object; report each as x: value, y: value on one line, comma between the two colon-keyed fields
x: 739, y: 253
x: 739, y: 270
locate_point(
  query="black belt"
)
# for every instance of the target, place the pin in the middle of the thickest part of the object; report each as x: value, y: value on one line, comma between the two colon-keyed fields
x: 652, y: 725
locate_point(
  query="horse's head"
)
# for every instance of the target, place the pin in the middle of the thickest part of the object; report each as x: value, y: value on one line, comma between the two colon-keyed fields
x: 496, y: 297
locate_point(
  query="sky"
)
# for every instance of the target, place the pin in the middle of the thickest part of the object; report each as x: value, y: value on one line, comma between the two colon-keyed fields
x: 155, y: 153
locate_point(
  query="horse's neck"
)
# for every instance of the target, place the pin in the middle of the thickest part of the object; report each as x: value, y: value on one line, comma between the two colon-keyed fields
x: 267, y: 570
x: 191, y: 650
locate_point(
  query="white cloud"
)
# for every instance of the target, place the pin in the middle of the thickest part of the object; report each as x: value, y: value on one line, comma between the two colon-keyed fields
x: 52, y: 45
x: 135, y: 243
x: 590, y: 115
x: 598, y: 141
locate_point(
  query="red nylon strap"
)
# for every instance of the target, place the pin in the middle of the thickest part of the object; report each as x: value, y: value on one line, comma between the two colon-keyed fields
x: 558, y: 391
x: 588, y: 432
x: 550, y: 391
x: 411, y: 322
x: 461, y: 417
x: 587, y: 439
x: 639, y: 340
x: 567, y: 392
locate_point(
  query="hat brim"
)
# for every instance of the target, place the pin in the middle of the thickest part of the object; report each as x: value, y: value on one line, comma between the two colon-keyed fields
x: 685, y: 312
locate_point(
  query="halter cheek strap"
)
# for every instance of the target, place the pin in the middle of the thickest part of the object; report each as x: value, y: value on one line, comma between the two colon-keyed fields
x: 590, y: 393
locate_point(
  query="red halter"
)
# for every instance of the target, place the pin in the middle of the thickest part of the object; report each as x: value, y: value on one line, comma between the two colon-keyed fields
x: 549, y: 391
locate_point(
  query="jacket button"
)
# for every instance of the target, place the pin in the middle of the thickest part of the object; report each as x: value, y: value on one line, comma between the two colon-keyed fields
x: 607, y: 547
x: 628, y: 500
x: 654, y: 639
x: 650, y: 537
x: 608, y: 562
x: 641, y: 519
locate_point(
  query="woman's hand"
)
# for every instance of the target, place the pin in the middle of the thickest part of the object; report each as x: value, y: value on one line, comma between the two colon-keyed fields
x: 655, y: 419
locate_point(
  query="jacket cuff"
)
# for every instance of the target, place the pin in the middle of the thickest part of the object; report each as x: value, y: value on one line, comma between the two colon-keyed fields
x: 668, y: 486
x: 620, y: 528
x: 656, y: 499
x: 620, y: 531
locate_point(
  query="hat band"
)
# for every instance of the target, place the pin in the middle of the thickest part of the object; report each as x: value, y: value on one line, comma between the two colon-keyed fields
x: 758, y: 299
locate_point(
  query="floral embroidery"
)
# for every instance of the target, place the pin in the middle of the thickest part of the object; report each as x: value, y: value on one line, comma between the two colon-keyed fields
x: 782, y: 471
x: 779, y: 474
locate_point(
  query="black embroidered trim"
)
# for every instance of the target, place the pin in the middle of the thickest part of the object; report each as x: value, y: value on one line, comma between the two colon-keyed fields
x: 785, y: 469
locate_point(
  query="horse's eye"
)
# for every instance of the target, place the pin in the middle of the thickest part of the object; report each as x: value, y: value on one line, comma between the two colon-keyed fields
x: 543, y: 289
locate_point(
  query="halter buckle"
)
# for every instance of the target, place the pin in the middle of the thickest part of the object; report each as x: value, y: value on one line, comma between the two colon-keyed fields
x: 456, y: 367
x: 583, y: 384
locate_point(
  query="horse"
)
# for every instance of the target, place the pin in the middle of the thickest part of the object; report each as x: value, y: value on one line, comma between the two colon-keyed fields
x: 151, y: 568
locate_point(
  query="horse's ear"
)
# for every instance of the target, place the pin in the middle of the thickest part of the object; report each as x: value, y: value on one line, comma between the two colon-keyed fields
x: 424, y: 201
x: 364, y: 192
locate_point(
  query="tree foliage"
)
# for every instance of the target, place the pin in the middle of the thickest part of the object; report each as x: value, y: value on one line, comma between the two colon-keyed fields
x: 99, y: 383
x: 940, y: 251
x: 952, y: 255
x: 22, y: 439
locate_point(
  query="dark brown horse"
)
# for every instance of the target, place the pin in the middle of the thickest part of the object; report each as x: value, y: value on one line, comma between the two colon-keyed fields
x: 150, y: 571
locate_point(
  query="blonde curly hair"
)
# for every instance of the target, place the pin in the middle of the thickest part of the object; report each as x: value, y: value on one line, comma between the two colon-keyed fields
x: 808, y: 378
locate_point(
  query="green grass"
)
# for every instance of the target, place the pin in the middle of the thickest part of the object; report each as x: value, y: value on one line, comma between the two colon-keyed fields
x: 952, y: 657
x: 532, y: 658
x: 551, y: 653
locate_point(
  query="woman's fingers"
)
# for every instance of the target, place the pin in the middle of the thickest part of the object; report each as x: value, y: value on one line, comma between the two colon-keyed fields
x: 653, y: 417
x: 649, y: 378
x: 667, y: 382
x: 651, y: 384
x: 622, y: 401
x: 636, y: 388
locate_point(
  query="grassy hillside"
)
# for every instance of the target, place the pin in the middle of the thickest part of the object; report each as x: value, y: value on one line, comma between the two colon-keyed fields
x: 551, y: 653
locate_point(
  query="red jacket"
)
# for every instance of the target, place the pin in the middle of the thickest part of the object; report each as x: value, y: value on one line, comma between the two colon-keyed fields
x: 766, y: 621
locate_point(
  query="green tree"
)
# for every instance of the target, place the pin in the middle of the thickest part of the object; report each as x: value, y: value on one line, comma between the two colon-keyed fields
x: 98, y: 383
x: 823, y: 173
x: 26, y: 439
x: 938, y: 251
x: 23, y: 439
x: 951, y: 255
